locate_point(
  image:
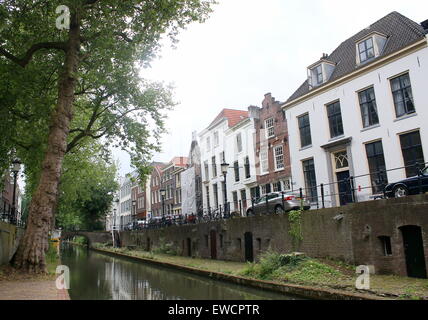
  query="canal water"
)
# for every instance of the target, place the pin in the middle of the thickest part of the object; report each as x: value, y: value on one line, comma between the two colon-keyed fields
x: 96, y: 276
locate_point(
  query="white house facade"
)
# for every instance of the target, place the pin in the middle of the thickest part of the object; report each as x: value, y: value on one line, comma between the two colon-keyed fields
x: 240, y: 155
x: 362, y: 111
x: 214, y: 152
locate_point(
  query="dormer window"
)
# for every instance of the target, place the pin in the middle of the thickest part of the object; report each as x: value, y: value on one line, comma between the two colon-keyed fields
x: 320, y: 72
x: 370, y: 47
x: 366, y: 50
x: 318, y: 75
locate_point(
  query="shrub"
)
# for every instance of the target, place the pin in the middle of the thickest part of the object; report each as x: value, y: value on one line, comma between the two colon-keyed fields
x: 269, y: 264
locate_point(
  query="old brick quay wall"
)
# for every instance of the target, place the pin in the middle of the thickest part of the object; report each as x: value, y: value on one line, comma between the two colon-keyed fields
x: 354, y: 233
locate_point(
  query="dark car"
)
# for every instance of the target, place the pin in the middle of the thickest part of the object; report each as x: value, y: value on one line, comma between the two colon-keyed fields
x: 409, y: 186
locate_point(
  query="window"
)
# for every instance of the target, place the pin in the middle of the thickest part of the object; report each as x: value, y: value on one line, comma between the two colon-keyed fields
x: 215, y: 188
x: 264, y: 160
x: 279, y: 157
x: 206, y: 171
x: 366, y: 50
x: 368, y: 107
x: 305, y: 131
x: 214, y: 166
x: 270, y: 129
x: 386, y: 245
x: 208, y: 196
x: 411, y: 147
x: 377, y: 166
x: 310, y: 180
x: 287, y: 185
x: 222, y: 157
x: 239, y: 142
x: 335, y: 119
x: 247, y: 168
x: 236, y: 168
x: 235, y: 200
x: 318, y: 75
x: 216, y: 139
x: 208, y: 143
x: 402, y: 94
x: 255, y: 193
x: 277, y: 186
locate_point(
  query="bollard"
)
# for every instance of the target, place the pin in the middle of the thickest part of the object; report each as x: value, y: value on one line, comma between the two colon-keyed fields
x: 267, y: 205
x: 322, y: 195
x: 418, y: 168
x: 283, y: 201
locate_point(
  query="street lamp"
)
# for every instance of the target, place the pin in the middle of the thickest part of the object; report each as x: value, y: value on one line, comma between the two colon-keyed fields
x: 134, y: 205
x: 16, y: 167
x: 163, y: 193
x: 224, y: 168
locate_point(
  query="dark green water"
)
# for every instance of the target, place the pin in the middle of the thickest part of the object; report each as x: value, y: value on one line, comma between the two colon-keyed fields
x: 95, y: 276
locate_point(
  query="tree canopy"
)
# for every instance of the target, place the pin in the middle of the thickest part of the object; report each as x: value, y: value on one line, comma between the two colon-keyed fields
x: 60, y: 89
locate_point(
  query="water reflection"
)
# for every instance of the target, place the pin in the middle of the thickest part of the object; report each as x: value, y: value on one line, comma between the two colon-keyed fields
x: 95, y: 276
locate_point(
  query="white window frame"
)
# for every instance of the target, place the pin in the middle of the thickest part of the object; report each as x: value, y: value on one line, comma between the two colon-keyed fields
x: 239, y: 143
x: 270, y: 128
x: 264, y: 161
x: 216, y: 139
x: 276, y: 156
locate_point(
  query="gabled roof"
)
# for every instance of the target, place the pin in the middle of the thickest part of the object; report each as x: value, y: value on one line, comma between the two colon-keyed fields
x: 232, y: 115
x: 400, y: 30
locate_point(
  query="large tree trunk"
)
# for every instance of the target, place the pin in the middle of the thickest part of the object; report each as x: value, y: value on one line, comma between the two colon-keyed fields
x: 31, y: 252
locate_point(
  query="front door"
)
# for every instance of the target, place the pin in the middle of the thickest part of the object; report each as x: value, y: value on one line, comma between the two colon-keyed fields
x: 249, y: 253
x: 344, y: 187
x: 213, y: 238
x: 414, y: 251
x: 189, y: 247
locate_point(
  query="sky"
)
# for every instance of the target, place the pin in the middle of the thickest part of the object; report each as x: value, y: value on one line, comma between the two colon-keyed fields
x: 248, y: 48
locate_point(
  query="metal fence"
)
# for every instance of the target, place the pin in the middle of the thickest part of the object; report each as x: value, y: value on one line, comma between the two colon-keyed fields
x: 10, y: 215
x: 317, y: 196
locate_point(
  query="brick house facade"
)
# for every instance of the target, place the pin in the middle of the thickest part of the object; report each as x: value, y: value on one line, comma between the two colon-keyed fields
x: 272, y: 149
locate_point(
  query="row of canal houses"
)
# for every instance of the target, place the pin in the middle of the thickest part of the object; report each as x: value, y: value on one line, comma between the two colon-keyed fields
x: 362, y: 111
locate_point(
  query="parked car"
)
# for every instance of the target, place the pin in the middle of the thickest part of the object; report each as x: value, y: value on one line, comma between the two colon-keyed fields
x: 275, y: 203
x: 409, y: 186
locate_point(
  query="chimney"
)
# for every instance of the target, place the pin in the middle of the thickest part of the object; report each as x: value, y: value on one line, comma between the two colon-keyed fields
x: 324, y: 56
x: 424, y: 25
x: 254, y: 112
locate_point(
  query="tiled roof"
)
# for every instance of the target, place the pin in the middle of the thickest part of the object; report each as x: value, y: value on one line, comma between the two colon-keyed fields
x: 401, y: 32
x: 233, y: 116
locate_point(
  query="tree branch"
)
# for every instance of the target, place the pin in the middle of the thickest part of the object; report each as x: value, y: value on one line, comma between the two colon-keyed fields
x: 23, y: 61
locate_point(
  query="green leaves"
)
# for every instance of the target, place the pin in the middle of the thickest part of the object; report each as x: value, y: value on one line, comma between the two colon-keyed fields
x: 113, y: 105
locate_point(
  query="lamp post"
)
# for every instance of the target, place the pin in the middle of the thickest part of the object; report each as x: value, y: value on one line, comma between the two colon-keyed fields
x: 224, y: 168
x: 163, y: 193
x: 134, y: 206
x: 16, y: 167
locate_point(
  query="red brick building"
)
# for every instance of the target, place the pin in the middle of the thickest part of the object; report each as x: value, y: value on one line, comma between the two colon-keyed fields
x: 172, y: 185
x: 155, y: 186
x: 272, y: 149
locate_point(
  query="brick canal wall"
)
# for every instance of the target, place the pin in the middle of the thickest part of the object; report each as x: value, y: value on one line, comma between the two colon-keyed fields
x: 349, y: 233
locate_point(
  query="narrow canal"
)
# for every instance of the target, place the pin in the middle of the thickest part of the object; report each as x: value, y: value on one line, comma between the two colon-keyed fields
x: 96, y: 276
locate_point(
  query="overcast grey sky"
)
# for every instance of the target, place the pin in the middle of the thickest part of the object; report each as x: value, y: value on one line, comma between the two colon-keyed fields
x: 250, y: 47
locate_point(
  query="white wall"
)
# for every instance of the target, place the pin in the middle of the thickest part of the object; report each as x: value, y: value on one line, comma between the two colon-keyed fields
x: 388, y: 129
x: 247, y: 131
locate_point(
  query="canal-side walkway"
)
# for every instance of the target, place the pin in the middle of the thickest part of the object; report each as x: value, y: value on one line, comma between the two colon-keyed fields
x: 31, y: 290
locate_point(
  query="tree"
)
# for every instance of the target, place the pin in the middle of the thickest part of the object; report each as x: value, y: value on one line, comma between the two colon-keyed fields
x: 97, y: 65
x: 86, y: 192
